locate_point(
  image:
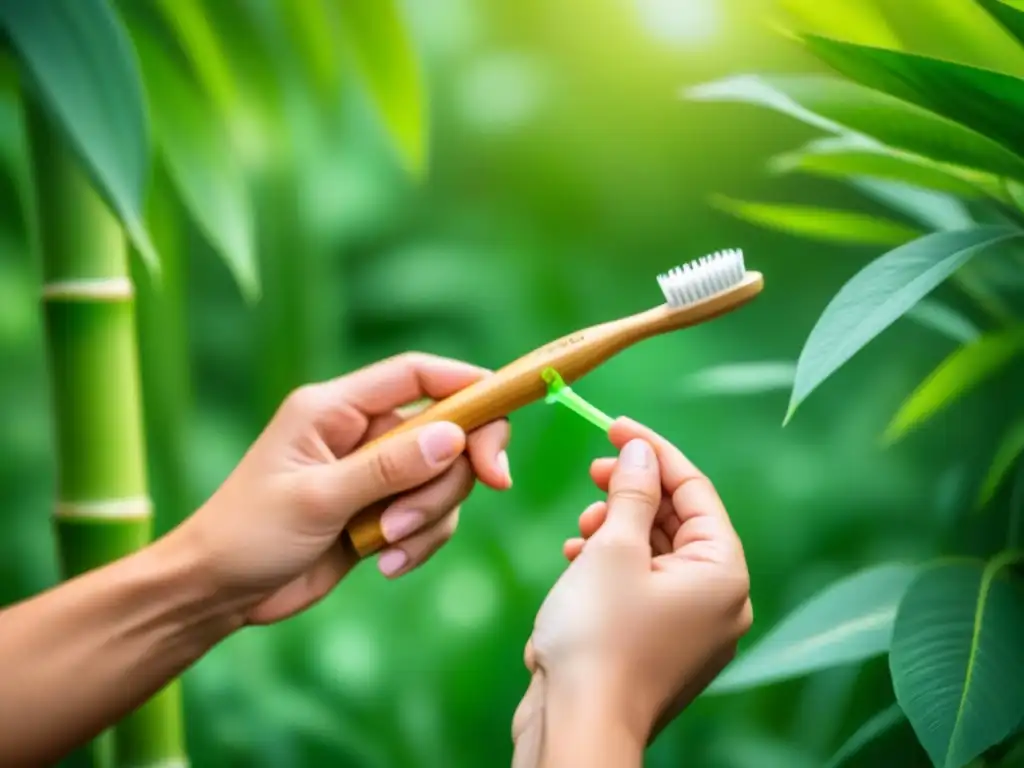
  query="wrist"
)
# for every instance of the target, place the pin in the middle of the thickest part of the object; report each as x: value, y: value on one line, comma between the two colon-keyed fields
x: 602, y: 706
x: 199, y: 613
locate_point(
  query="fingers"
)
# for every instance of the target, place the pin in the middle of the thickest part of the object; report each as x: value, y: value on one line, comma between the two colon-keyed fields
x: 676, y: 469
x: 592, y: 518
x: 418, y: 548
x: 380, y: 388
x: 486, y: 449
x: 634, y: 494
x: 573, y: 548
x: 703, y: 519
x: 343, y: 407
x: 400, y: 463
x: 666, y: 520
x: 424, y: 520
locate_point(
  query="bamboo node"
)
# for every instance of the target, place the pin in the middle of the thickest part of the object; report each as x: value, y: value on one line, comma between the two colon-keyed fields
x: 130, y: 508
x: 95, y: 289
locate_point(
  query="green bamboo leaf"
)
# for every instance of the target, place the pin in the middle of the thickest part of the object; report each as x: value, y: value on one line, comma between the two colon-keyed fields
x: 886, y: 738
x: 1008, y: 13
x: 955, y: 658
x: 819, y: 223
x: 991, y: 103
x: 197, y: 39
x: 79, y: 62
x: 957, y: 30
x: 1009, y: 450
x: 314, y: 31
x: 838, y: 106
x: 858, y: 22
x: 964, y: 369
x: 848, y: 621
x: 945, y: 320
x: 883, y: 292
x: 383, y: 52
x: 856, y: 155
x: 201, y: 163
x: 934, y: 210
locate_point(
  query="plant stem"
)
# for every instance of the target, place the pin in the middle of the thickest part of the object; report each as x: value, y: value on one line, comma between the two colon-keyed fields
x: 163, y: 355
x: 103, y: 508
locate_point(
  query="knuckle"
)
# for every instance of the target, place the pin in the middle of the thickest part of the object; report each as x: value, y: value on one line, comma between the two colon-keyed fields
x: 699, y: 483
x: 736, y: 599
x: 303, y: 400
x: 633, y: 495
x: 386, y: 468
x: 449, y: 525
x: 463, y: 474
x: 746, y: 619
x: 413, y: 358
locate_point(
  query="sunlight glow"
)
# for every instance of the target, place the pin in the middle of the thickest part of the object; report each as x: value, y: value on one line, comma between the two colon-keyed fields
x: 680, y: 22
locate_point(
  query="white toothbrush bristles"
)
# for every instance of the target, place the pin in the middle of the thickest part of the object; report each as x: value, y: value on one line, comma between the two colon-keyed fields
x: 702, y: 278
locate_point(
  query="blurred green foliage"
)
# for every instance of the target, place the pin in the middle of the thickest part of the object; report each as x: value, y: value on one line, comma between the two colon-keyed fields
x: 564, y: 173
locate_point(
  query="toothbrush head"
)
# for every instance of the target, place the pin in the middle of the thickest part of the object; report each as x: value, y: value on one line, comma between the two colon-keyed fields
x: 703, y: 278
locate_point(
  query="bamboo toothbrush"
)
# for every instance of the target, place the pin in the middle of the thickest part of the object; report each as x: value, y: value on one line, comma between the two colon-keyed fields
x: 694, y: 293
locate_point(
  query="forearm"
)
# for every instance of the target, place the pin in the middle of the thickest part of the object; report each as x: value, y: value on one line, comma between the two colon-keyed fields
x: 571, y: 726
x: 77, y: 658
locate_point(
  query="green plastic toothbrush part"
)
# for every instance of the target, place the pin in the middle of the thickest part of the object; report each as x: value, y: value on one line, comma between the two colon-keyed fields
x: 560, y: 392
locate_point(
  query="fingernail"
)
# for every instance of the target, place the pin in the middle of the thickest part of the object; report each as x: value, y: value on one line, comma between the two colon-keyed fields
x: 636, y: 455
x: 392, y: 561
x: 440, y: 442
x: 399, y: 523
x: 503, y: 463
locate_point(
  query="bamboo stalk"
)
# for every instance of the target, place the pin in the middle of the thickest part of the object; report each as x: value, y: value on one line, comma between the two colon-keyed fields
x: 103, y: 508
x: 163, y: 356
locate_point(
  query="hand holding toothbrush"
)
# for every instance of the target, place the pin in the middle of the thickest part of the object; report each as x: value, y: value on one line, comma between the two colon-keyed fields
x: 303, y: 481
x: 648, y: 613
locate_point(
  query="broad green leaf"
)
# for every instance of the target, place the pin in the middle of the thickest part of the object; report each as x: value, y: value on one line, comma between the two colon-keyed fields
x: 849, y: 621
x: 883, y: 292
x: 856, y: 155
x: 963, y: 370
x: 839, y: 106
x: 1010, y: 449
x: 885, y: 739
x: 957, y: 30
x: 741, y: 379
x: 79, y: 63
x: 858, y: 22
x: 945, y: 320
x: 383, y: 51
x: 956, y: 661
x: 1009, y: 14
x: 820, y: 223
x: 202, y: 164
x: 990, y: 103
x: 935, y: 210
x: 315, y: 33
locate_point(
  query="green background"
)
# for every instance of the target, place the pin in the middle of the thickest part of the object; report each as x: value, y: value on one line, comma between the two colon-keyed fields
x: 566, y: 172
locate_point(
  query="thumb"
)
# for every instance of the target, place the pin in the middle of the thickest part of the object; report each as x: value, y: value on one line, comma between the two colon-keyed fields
x: 634, y: 495
x: 396, y: 464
